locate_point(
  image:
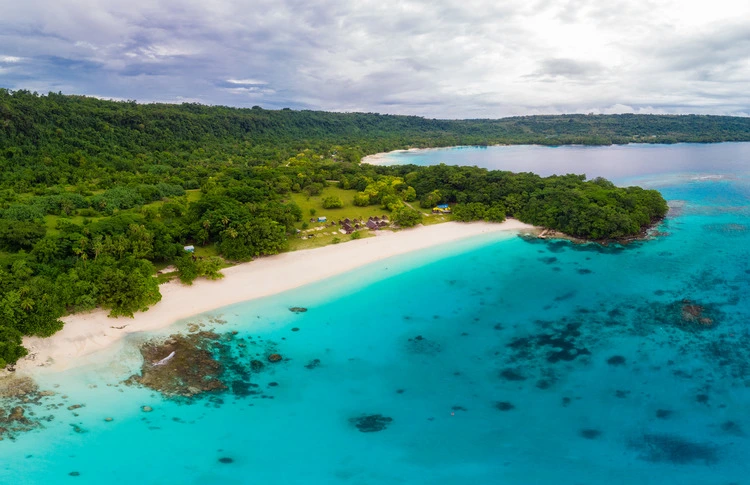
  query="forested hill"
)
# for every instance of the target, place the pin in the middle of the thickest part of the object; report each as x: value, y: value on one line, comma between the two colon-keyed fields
x: 32, y: 122
x: 96, y: 195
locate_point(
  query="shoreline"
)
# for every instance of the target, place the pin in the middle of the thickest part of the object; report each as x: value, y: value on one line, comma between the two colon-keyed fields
x: 378, y: 158
x: 86, y: 334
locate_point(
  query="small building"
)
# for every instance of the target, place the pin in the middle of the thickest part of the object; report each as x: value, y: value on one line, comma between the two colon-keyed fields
x: 322, y: 219
x: 441, y: 209
x: 189, y: 249
x: 372, y: 225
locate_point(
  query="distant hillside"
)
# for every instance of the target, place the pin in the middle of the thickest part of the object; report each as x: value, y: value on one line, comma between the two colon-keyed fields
x: 36, y: 122
x: 59, y: 139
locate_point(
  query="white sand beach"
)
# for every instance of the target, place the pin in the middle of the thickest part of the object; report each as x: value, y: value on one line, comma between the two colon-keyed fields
x: 89, y: 333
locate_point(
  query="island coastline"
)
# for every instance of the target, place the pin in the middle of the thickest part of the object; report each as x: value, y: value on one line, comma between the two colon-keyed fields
x: 89, y: 333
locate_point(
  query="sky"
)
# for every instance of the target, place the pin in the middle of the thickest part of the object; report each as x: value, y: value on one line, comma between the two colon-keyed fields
x: 439, y: 59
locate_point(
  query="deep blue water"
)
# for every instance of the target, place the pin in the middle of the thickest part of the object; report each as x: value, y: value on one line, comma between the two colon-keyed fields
x: 499, y: 360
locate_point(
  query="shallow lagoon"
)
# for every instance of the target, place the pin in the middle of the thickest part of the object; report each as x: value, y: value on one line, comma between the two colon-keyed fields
x: 617, y: 162
x: 499, y: 360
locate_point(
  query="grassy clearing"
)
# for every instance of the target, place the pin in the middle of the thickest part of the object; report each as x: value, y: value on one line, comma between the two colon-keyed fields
x: 322, y: 238
x: 193, y: 195
x: 329, y: 234
x: 51, y: 222
x: 349, y: 210
x: 431, y: 219
x: 207, y: 250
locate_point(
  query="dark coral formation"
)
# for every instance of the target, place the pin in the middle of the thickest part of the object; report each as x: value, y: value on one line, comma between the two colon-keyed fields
x: 562, y: 344
x: 192, y: 369
x: 371, y: 423
x: 590, y: 434
x: 18, y: 396
x: 203, y: 363
x: 664, y: 413
x: 687, y: 315
x: 512, y: 375
x: 504, y: 406
x: 14, y: 421
x: 732, y: 428
x: 616, y: 360
x: 422, y: 345
x: 674, y: 449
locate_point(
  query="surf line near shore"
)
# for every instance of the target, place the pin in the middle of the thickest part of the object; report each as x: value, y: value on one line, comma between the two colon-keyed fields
x: 86, y: 334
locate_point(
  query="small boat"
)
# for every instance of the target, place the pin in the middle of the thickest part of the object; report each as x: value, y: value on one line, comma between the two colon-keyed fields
x: 164, y: 360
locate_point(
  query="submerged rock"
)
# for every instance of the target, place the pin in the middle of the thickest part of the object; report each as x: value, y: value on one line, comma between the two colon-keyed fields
x: 685, y: 314
x: 616, y: 360
x: 664, y: 413
x: 16, y: 414
x: 20, y: 402
x: 17, y: 387
x: 192, y: 370
x: 504, y: 406
x: 371, y: 423
x: 274, y: 358
x: 590, y: 434
x: 203, y: 363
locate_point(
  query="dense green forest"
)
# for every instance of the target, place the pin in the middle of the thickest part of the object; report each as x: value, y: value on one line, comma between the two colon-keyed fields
x: 96, y: 195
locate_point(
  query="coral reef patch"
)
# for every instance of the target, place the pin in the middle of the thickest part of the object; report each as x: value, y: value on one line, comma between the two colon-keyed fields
x: 203, y: 363
x: 371, y: 423
x: 673, y: 449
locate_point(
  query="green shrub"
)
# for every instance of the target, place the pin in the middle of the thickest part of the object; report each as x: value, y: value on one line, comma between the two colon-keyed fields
x: 332, y: 202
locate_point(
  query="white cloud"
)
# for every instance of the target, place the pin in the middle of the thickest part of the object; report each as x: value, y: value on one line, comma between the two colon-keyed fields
x: 249, y: 82
x: 444, y: 58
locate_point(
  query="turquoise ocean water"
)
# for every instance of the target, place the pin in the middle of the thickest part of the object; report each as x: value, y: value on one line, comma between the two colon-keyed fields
x: 499, y: 361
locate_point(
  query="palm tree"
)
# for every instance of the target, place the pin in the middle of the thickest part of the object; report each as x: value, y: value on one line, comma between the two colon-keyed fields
x: 27, y: 304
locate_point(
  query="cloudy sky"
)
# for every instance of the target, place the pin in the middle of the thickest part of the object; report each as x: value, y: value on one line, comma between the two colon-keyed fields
x: 440, y: 58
